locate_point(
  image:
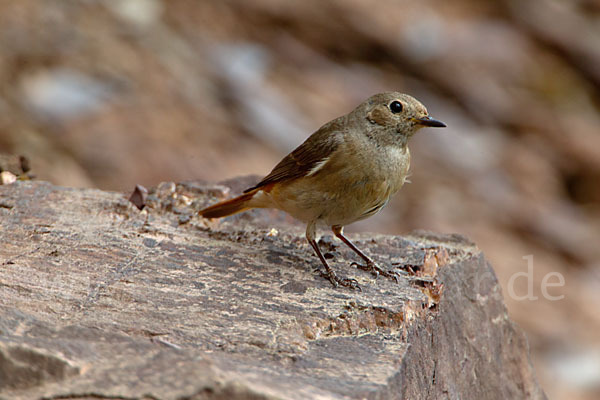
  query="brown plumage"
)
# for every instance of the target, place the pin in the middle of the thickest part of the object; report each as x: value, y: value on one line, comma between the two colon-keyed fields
x: 229, y: 207
x: 344, y: 172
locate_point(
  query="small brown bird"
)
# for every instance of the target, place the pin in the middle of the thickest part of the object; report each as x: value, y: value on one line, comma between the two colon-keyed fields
x: 344, y: 172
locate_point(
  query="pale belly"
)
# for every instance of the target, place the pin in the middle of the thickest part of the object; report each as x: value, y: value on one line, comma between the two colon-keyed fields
x: 342, y: 191
x: 336, y: 201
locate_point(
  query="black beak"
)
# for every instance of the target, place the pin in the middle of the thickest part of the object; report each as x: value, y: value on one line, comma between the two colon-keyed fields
x: 428, y: 121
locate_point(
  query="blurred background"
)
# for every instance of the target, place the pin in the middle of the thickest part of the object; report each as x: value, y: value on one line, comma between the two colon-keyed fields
x: 109, y: 94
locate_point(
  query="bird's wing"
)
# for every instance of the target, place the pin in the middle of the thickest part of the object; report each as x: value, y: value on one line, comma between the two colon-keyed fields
x: 300, y: 162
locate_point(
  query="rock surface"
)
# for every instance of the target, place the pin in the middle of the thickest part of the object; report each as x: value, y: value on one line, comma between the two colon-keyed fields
x: 100, y: 300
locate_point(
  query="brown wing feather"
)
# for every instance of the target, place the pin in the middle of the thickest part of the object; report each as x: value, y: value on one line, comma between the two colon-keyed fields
x: 299, y: 162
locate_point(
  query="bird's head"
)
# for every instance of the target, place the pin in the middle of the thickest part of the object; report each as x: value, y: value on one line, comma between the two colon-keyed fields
x: 396, y: 113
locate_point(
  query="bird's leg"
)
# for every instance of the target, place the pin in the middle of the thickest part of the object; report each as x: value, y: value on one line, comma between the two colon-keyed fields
x: 329, y: 274
x: 370, y: 265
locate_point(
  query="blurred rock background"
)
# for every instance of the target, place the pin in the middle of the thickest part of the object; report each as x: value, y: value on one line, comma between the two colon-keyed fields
x: 113, y: 93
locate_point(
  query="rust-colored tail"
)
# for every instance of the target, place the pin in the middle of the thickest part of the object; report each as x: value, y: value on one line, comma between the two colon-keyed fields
x: 228, y: 207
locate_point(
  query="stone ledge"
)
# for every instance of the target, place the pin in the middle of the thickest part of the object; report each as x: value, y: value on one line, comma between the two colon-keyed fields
x: 162, y: 304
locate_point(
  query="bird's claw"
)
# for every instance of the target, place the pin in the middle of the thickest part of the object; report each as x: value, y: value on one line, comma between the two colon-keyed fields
x: 337, y: 281
x: 371, y: 267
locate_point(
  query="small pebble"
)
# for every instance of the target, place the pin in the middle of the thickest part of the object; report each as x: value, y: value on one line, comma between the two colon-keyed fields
x: 138, y: 196
x: 6, y: 178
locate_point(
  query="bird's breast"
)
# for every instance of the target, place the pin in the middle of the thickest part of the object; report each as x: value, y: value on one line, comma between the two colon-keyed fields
x: 351, y: 185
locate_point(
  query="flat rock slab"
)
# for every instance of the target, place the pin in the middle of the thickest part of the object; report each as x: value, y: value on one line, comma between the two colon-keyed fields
x: 101, y: 300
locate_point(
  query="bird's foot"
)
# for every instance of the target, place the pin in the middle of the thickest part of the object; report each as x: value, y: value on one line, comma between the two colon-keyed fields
x: 337, y: 281
x: 371, y: 267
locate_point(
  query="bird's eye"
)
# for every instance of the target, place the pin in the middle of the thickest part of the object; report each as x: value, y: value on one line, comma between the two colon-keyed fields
x: 395, y: 107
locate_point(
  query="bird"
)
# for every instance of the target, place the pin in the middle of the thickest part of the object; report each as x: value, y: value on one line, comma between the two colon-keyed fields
x: 344, y: 172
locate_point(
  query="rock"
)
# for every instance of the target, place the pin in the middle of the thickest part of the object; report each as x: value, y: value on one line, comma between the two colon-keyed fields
x: 61, y: 93
x: 7, y: 177
x: 102, y: 300
x: 16, y: 165
x: 24, y: 367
